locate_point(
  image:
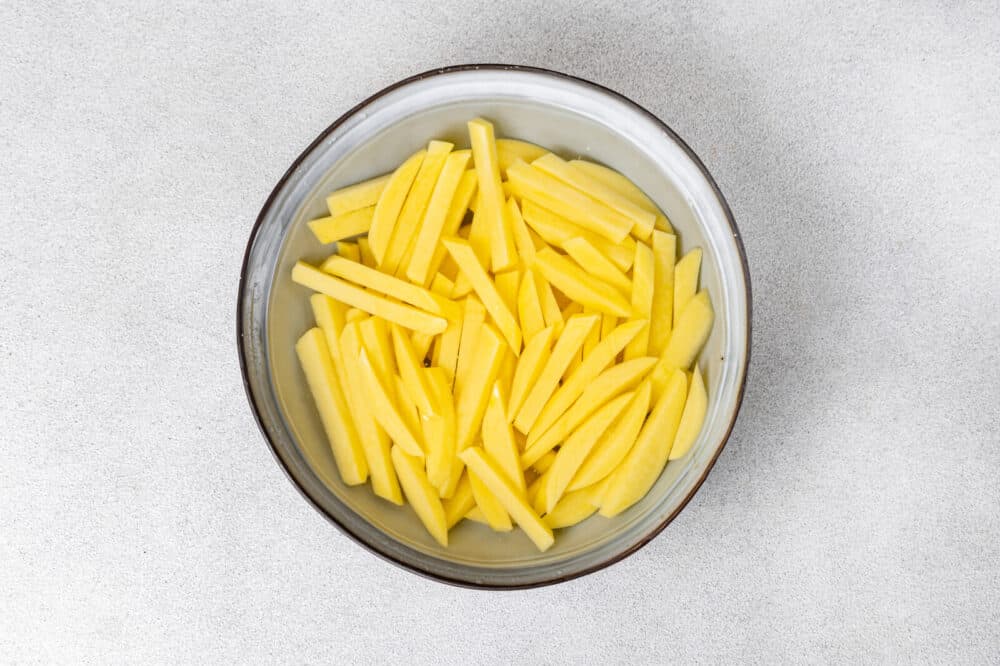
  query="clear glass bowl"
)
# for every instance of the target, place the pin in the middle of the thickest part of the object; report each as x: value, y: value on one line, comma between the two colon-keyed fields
x: 574, y: 118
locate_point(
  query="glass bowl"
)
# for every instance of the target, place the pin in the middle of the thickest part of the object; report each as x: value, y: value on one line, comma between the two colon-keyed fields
x: 575, y: 118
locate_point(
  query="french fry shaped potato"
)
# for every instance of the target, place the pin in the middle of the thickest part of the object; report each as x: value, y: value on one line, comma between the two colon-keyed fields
x: 422, y: 495
x: 573, y: 281
x: 573, y: 507
x: 348, y: 225
x: 661, y: 320
x: 511, y: 150
x: 690, y: 333
x: 429, y: 235
x: 686, y: 281
x: 390, y: 203
x: 607, y: 455
x: 642, y: 298
x: 387, y: 413
x: 498, y: 438
x: 692, y: 417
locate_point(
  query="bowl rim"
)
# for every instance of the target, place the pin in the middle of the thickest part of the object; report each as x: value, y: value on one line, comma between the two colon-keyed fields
x: 252, y: 399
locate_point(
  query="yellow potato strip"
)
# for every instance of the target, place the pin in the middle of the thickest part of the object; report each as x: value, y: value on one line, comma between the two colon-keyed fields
x: 570, y: 279
x: 472, y: 397
x: 441, y: 449
x: 484, y: 154
x: 466, y: 192
x: 529, y: 308
x: 609, y: 384
x: 421, y: 494
x: 375, y: 279
x: 645, y: 461
x: 466, y: 259
x: 415, y: 205
x: 492, y: 510
x: 365, y: 252
x: 460, y: 502
x: 535, y: 185
x: 567, y: 346
x: 355, y: 197
x: 691, y: 332
x: 642, y: 298
x: 374, y: 439
x: 375, y: 338
x: 472, y: 324
x: 529, y: 368
x: 592, y: 366
x: 511, y: 150
x: 572, y: 508
x: 661, y: 319
x: 642, y: 219
x: 498, y: 439
x: 578, y: 446
x: 522, y: 235
x: 590, y: 259
x: 556, y: 230
x: 692, y: 418
x: 429, y: 236
x: 331, y: 229
x: 481, y: 464
x: 607, y: 455
x: 685, y: 281
x: 411, y: 370
x: 390, y: 203
x: 385, y: 410
x: 328, y: 395
x: 345, y: 292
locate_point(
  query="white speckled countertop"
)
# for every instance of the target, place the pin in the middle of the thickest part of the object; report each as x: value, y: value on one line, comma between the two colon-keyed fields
x: 853, y: 515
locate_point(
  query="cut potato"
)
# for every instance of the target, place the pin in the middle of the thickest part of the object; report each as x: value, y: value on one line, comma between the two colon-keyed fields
x: 345, y: 292
x: 355, y: 197
x: 573, y: 281
x: 422, y: 495
x: 428, y: 236
x: 501, y: 366
x: 578, y: 446
x: 602, y: 356
x: 486, y: 289
x: 661, y: 320
x: 404, y: 233
x: 482, y: 465
x: 491, y: 195
x: 556, y: 230
x: 390, y: 203
x: 387, y: 413
x: 314, y: 355
x: 608, y: 385
x: 348, y: 225
x: 643, y: 220
x: 642, y: 299
x: 374, y: 439
x: 685, y: 281
x: 692, y: 417
x: 531, y: 183
x: 642, y: 466
x: 567, y: 346
x: 607, y: 455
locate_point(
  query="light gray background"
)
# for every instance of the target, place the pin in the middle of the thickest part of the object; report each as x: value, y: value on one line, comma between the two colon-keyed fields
x: 854, y: 513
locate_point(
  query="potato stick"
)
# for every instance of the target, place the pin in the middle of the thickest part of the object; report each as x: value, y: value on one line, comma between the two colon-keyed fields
x: 487, y: 291
x: 547, y: 299
x: 642, y: 299
x: 590, y: 259
x: 607, y: 455
x: 556, y: 230
x: 529, y: 308
x: 484, y: 152
x: 472, y: 324
x: 692, y: 418
x: 645, y: 461
x: 643, y: 220
x: 570, y: 279
x: 609, y: 384
x: 523, y: 240
x: 408, y: 410
x: 365, y: 250
x: 465, y: 193
x: 375, y: 337
x: 373, y: 278
x: 411, y: 370
x: 328, y: 395
x: 626, y: 188
x: 507, y: 284
x: 490, y: 507
x: 349, y: 251
x: 471, y: 399
x: 543, y: 464
x: 685, y: 281
x: 355, y: 197
x: 408, y: 222
x: 567, y: 345
x: 421, y: 494
x: 564, y: 200
x: 592, y: 366
x: 573, y: 508
x: 690, y: 333
x: 384, y: 408
x: 483, y: 465
x: 460, y: 502
x: 331, y: 229
x: 661, y: 319
x: 390, y: 203
x: 510, y: 150
x: 374, y: 439
x: 345, y: 292
x: 479, y: 239
x: 529, y: 368
x: 429, y: 236
x: 498, y: 438
x: 441, y: 455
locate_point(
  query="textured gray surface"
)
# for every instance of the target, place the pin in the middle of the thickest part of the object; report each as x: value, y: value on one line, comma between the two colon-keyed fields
x: 853, y: 515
